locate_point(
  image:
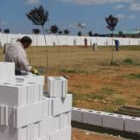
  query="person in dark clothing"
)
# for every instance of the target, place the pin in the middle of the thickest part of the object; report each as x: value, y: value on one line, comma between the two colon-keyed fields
x: 117, y: 44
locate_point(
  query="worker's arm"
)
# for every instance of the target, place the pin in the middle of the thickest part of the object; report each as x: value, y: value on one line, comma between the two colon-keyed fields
x: 26, y: 66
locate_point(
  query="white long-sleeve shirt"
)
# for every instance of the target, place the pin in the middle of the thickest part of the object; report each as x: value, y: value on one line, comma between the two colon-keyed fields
x: 15, y: 53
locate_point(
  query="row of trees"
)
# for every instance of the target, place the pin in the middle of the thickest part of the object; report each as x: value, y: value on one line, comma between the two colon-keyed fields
x: 6, y: 31
x: 38, y: 16
x: 53, y: 29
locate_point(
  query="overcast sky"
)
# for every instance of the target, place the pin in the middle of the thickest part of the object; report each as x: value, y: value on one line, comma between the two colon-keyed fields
x: 66, y: 14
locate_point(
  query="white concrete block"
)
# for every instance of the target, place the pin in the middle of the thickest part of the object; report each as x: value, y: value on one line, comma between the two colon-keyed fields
x: 45, y: 138
x: 56, y: 123
x: 7, y: 70
x: 113, y: 121
x: 37, y: 130
x: 50, y: 86
x: 76, y: 114
x: 3, y: 115
x: 92, y: 117
x: 64, y: 87
x: 13, y: 94
x: 69, y: 117
x: 47, y: 107
x: 59, y: 105
x: 57, y: 86
x: 132, y: 124
x: 20, y: 94
x: 30, y: 78
x: 29, y: 132
x: 33, y: 92
x: 47, y: 126
x: 64, y: 134
x: 8, y: 133
x: 65, y: 120
x: 21, y: 116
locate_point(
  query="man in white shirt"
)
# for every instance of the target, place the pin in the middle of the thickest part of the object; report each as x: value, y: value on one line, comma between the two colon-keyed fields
x: 15, y: 52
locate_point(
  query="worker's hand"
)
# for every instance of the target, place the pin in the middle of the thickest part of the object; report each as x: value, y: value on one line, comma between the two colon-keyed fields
x: 36, y: 72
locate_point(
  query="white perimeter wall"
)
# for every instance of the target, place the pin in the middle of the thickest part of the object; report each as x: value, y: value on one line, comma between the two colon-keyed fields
x: 53, y: 40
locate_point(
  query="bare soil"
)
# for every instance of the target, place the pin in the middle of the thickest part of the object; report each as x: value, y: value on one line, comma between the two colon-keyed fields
x: 78, y: 134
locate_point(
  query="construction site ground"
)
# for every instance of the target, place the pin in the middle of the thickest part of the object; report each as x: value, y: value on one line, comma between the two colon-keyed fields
x: 94, y: 81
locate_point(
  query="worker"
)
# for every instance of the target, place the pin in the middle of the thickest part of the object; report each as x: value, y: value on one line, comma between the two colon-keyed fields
x: 85, y: 43
x: 117, y: 44
x: 15, y: 52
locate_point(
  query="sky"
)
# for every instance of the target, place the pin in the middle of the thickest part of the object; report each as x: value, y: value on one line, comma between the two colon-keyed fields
x: 66, y: 14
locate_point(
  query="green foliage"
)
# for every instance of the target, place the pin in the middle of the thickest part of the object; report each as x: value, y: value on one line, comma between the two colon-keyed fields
x: 119, y: 101
x: 128, y: 61
x: 6, y: 31
x: 138, y: 102
x: 68, y: 70
x: 130, y: 48
x: 73, y: 71
x: 91, y: 96
x: 107, y: 91
x: 66, y: 31
x: 36, y: 31
x: 134, y: 76
x: 114, y: 63
x: 111, y: 22
x: 38, y: 16
x: 54, y: 29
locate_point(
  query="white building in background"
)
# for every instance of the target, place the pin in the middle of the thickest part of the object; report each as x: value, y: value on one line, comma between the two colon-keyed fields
x: 54, y: 40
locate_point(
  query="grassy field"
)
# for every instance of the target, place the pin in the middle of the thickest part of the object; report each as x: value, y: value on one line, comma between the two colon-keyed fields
x: 94, y: 83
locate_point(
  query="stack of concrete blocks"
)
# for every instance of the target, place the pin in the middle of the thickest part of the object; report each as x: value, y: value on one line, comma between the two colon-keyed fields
x: 26, y: 114
x: 62, y: 105
x: 106, y: 120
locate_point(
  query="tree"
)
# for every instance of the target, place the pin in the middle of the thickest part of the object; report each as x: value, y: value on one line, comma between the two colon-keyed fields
x: 66, y: 32
x: 79, y: 33
x: 39, y: 16
x: 120, y: 33
x: 90, y: 33
x: 36, y: 32
x: 111, y: 24
x: 60, y: 32
x: 54, y: 30
x: 7, y: 31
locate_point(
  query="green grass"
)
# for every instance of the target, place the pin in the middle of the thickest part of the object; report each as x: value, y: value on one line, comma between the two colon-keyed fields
x: 86, y: 97
x: 119, y: 101
x: 128, y: 61
x: 107, y: 91
x: 73, y: 71
x: 133, y: 76
x: 124, y: 48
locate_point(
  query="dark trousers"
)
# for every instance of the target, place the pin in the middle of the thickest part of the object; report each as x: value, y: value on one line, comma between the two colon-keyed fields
x: 17, y: 72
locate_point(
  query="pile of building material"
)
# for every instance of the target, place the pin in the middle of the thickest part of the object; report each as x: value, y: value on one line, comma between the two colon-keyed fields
x: 26, y: 114
x: 129, y: 110
x: 113, y: 121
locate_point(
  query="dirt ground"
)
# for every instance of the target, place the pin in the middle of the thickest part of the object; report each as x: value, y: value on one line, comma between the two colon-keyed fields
x: 94, y: 83
x: 78, y: 134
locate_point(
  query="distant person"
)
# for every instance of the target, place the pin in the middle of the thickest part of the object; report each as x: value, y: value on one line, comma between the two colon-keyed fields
x: 15, y: 52
x: 117, y: 44
x: 85, y: 43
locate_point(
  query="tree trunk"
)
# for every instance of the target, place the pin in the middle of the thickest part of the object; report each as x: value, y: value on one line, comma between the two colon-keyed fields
x: 47, y: 59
